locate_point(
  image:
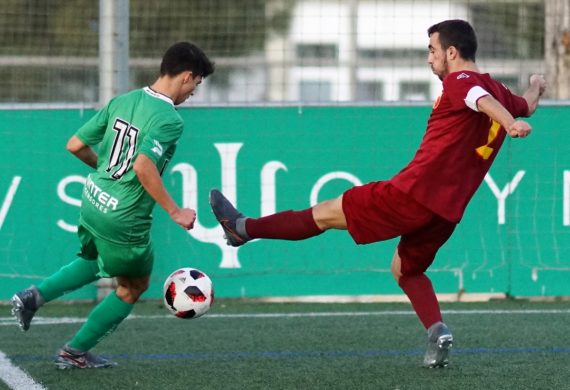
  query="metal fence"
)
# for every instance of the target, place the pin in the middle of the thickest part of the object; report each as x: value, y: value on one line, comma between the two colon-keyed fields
x: 269, y: 51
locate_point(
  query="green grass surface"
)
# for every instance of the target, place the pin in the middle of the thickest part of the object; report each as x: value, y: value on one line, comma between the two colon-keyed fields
x: 381, y: 348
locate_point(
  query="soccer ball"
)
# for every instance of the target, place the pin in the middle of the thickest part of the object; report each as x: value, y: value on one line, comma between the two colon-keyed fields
x: 188, y: 293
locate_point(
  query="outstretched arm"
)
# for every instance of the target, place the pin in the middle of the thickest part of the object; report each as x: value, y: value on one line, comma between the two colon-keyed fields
x: 495, y: 110
x: 82, y: 151
x: 150, y: 179
x: 537, y: 85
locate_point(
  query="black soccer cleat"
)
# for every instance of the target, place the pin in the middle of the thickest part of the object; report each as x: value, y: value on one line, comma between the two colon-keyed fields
x: 229, y: 218
x: 24, y: 307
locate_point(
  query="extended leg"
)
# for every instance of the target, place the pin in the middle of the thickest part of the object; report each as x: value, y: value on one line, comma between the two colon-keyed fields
x: 286, y: 225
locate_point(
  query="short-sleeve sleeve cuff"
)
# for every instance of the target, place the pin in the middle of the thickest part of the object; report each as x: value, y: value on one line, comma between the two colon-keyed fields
x: 474, y: 94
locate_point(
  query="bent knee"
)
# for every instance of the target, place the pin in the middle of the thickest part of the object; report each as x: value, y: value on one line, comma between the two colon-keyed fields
x: 396, y: 267
x: 129, y: 295
x: 397, y: 274
x: 131, y: 292
x: 410, y: 268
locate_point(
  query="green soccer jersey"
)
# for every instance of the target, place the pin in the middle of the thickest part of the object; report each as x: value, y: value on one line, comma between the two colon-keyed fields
x: 115, y: 205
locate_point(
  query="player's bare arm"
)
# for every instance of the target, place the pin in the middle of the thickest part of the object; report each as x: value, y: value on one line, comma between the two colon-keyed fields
x: 148, y: 175
x: 82, y: 151
x: 495, y: 110
x: 537, y: 86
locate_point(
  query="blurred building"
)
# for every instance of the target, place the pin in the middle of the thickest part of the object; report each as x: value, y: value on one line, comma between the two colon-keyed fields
x: 374, y: 51
x: 326, y: 52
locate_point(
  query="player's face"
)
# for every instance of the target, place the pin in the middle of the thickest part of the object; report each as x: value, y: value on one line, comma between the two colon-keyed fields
x: 188, y: 87
x: 437, y: 57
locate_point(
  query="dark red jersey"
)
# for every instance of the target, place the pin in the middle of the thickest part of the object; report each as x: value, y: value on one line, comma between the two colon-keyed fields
x: 459, y: 145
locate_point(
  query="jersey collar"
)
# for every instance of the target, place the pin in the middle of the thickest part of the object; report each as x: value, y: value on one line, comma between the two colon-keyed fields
x: 157, y: 95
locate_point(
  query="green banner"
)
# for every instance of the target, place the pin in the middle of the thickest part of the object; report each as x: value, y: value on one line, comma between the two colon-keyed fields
x: 513, y: 238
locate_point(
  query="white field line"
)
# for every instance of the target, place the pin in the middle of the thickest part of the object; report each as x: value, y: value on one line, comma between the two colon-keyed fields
x: 14, y: 377
x: 10, y: 321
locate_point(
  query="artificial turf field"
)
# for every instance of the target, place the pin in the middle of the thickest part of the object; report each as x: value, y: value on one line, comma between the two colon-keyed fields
x: 507, y: 344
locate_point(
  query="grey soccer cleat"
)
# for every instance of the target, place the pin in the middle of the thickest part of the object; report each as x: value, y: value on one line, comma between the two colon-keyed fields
x: 24, y: 306
x: 440, y: 341
x: 69, y: 358
x: 232, y: 221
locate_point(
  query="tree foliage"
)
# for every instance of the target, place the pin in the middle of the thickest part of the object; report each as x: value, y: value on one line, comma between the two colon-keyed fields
x: 222, y: 27
x: 70, y: 27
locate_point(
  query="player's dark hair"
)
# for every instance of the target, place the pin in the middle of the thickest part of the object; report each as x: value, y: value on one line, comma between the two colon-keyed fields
x: 459, y: 34
x: 183, y: 56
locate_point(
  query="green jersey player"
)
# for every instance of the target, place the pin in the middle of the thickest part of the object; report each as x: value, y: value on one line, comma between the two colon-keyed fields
x: 136, y: 135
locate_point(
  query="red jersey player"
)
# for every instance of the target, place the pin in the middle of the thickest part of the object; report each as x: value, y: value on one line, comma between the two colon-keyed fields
x: 423, y: 203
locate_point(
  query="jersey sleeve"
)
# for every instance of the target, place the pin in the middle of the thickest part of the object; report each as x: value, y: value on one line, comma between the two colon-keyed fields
x: 463, y: 90
x: 92, y: 132
x: 517, y: 105
x: 162, y: 138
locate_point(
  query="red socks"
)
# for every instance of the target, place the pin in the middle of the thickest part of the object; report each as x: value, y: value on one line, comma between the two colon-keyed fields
x: 419, y: 290
x: 286, y: 225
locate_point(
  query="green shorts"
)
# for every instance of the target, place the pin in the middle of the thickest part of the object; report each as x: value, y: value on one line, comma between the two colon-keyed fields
x: 114, y: 259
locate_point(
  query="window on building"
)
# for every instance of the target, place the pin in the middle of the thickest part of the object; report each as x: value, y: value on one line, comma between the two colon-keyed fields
x: 369, y: 91
x: 317, y: 51
x: 315, y: 91
x: 414, y: 90
x: 392, y: 54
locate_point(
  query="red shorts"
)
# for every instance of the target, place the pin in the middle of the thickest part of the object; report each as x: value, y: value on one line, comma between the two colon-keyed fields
x: 379, y: 211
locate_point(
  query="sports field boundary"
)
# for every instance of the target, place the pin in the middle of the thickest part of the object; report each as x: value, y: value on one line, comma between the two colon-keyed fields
x: 14, y: 377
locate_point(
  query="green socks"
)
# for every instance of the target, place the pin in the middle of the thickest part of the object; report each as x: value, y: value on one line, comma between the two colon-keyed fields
x: 76, y: 274
x: 102, y: 320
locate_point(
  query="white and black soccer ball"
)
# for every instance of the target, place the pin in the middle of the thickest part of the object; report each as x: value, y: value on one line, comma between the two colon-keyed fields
x: 188, y: 293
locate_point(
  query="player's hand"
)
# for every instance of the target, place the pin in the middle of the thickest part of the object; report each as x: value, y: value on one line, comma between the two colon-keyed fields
x: 539, y: 81
x: 184, y: 217
x: 519, y: 129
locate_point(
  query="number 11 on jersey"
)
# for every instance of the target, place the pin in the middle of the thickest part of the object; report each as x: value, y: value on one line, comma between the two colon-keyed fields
x: 125, y: 133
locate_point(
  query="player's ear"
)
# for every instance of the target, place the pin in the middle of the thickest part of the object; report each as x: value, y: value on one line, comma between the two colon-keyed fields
x: 452, y: 53
x: 187, y: 76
